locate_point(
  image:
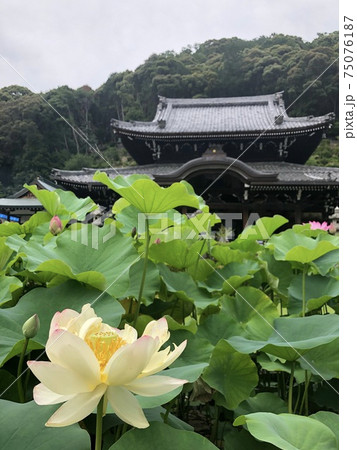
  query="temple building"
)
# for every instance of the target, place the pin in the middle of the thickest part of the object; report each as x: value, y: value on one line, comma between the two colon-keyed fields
x: 249, y: 128
x: 23, y: 204
x: 243, y: 155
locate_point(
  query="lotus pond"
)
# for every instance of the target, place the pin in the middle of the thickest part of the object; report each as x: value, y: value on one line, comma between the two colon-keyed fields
x: 150, y: 331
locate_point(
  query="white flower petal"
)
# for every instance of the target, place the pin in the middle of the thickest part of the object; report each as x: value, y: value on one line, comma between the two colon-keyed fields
x: 59, y: 379
x: 77, y: 408
x: 129, y: 334
x: 154, y: 385
x: 62, y: 319
x: 161, y: 360
x: 43, y: 396
x: 90, y: 326
x: 158, y: 328
x: 70, y: 351
x: 87, y: 313
x: 126, y: 407
x: 129, y: 361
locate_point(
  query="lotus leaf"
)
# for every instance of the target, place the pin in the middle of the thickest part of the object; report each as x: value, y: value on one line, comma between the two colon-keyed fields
x: 289, y: 431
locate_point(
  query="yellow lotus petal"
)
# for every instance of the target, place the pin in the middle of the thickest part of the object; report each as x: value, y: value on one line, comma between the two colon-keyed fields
x: 129, y: 361
x: 126, y: 407
x: 43, y: 396
x: 59, y: 379
x: 70, y: 351
x: 163, y: 359
x: 154, y: 385
x: 77, y: 408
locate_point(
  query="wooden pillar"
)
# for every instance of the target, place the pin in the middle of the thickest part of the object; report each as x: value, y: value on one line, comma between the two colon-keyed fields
x: 297, y: 215
x: 245, y: 215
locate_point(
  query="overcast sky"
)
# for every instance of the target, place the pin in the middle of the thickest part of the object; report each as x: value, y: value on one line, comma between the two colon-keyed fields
x: 76, y: 42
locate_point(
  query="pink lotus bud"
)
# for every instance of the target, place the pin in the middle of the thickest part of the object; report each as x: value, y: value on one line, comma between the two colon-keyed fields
x: 157, y: 241
x: 55, y: 225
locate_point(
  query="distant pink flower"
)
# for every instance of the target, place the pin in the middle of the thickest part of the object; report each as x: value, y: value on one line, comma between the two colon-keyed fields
x: 157, y: 241
x: 319, y: 226
x: 55, y: 225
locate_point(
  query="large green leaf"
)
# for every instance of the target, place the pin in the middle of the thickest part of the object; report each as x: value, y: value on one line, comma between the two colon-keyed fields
x: 274, y: 364
x: 182, y: 284
x: 279, y: 273
x: 230, y: 277
x: 226, y: 255
x: 129, y: 217
x: 253, y: 311
x: 147, y: 196
x: 8, y: 285
x: 190, y: 324
x: 263, y: 402
x: 197, y: 351
x: 46, y: 302
x: 161, y: 436
x: 5, y: 255
x: 152, y: 281
x: 322, y: 360
x: 249, y: 315
x: 63, y: 203
x: 318, y: 291
x: 330, y: 419
x: 218, y: 326
x: 98, y: 256
x: 292, y: 337
x: 23, y: 427
x: 263, y: 228
x: 178, y: 253
x: 327, y: 262
x: 289, y: 432
x: 232, y: 374
x: 77, y: 207
x: 295, y: 336
x: 290, y: 246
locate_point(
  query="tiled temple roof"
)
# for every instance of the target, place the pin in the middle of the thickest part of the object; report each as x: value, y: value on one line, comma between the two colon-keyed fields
x: 287, y: 173
x: 209, y: 116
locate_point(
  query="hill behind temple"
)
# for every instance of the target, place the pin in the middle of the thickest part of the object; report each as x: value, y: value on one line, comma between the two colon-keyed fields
x: 34, y: 139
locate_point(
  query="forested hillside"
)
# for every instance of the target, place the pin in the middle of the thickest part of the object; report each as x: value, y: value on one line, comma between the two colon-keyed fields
x: 34, y: 138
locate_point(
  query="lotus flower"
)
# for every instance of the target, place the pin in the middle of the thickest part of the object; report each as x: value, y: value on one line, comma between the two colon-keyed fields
x: 90, y: 359
x: 55, y: 225
x: 319, y: 226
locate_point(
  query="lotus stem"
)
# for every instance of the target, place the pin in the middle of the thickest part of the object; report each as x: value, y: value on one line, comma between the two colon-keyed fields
x: 98, y: 428
x: 168, y: 409
x: 291, y: 384
x: 305, y: 398
x: 214, y: 430
x: 146, y: 258
x: 303, y: 291
x: 198, y: 259
x: 20, y: 388
x: 297, y: 399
